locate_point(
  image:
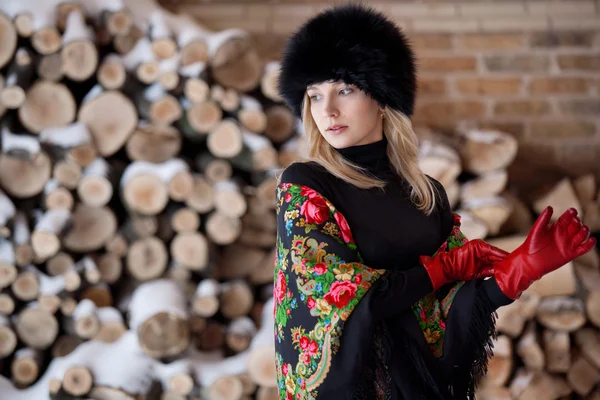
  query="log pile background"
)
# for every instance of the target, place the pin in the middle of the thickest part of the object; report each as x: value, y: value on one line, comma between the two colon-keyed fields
x: 137, y: 177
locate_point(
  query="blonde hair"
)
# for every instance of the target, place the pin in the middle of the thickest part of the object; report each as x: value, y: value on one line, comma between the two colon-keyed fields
x: 402, y: 150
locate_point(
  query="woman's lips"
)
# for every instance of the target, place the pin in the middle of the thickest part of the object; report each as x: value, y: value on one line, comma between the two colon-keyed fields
x: 338, y: 130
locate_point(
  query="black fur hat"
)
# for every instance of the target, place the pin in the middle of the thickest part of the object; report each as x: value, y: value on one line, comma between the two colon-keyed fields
x: 356, y: 44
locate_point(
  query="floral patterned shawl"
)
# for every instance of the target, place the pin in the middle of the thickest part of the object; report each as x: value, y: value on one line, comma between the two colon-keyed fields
x: 320, y: 277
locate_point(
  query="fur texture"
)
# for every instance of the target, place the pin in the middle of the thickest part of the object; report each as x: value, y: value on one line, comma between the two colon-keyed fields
x: 356, y: 44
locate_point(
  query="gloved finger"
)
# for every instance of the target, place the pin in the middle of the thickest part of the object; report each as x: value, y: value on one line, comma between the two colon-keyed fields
x: 484, y: 273
x: 542, y: 221
x: 580, y: 236
x: 565, y: 218
x: 492, y: 254
x: 585, y: 247
x: 574, y: 226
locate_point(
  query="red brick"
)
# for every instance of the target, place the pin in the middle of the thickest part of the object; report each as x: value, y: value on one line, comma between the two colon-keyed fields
x: 441, y: 110
x: 558, y: 85
x: 492, y: 41
x: 441, y: 64
x: 521, y: 108
x: 431, y: 86
x: 562, y: 39
x: 589, y: 107
x: 515, y: 128
x: 431, y: 42
x: 562, y: 129
x: 518, y: 63
x: 492, y: 86
x: 579, y: 62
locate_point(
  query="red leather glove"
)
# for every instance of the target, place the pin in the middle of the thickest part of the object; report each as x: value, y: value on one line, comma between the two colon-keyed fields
x: 473, y: 260
x: 546, y: 249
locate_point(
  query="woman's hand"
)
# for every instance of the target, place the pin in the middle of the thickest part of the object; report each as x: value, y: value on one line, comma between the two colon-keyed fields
x: 474, y: 260
x: 547, y: 248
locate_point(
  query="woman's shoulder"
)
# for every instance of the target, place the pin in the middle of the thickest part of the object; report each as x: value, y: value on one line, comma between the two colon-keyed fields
x: 306, y: 173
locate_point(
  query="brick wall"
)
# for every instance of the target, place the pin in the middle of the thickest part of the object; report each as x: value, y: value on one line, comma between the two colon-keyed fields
x: 531, y: 68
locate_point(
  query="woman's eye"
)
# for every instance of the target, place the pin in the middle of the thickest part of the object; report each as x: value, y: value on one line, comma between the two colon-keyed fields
x: 347, y: 90
x: 313, y: 97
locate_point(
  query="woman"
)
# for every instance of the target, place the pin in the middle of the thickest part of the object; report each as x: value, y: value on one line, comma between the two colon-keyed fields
x: 378, y: 295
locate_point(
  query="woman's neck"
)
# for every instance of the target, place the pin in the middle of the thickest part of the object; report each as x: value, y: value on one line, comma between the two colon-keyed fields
x: 372, y: 156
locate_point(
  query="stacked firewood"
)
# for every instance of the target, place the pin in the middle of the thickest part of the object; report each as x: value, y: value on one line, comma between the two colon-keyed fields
x: 548, y: 343
x: 137, y: 224
x: 136, y: 204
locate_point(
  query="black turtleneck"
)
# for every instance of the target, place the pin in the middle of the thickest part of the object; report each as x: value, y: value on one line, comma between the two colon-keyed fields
x: 389, y: 230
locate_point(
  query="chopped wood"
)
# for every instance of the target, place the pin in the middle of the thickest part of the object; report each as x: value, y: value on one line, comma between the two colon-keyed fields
x: 24, y: 178
x: 557, y: 348
x: 583, y: 376
x: 592, y: 307
x: 223, y: 229
x: 79, y: 53
x: 77, y: 381
x: 36, y: 328
x: 546, y: 386
x: 7, y: 304
x: 196, y: 90
x: 26, y: 366
x: 46, y: 40
x: 493, y: 210
x: 109, y: 134
x: 561, y: 197
x: 8, y: 338
x: 8, y: 33
x: 486, y: 150
x: 153, y: 143
x: 226, y: 139
x: 236, y: 299
x: 585, y: 188
x: 268, y: 82
x: 95, y: 189
x: 111, y: 72
x: 158, y: 313
x: 280, y: 123
x: 202, y: 198
x: 92, y: 227
x: 24, y: 24
x: 47, y: 104
x: 472, y: 226
x: 588, y: 341
x: 147, y: 258
x: 225, y: 388
x: 529, y: 349
x: 190, y: 249
x: 50, y: 67
x: 239, y: 333
x: 560, y: 282
x: 561, y: 313
x: 206, y: 299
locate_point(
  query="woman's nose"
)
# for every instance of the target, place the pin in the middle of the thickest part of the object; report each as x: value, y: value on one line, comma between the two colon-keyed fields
x: 330, y: 110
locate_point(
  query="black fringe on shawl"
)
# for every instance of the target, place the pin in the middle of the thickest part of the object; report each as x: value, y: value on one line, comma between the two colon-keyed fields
x: 478, y: 351
x: 473, y: 365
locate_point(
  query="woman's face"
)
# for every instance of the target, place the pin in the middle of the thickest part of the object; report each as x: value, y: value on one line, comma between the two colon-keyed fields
x: 337, y: 104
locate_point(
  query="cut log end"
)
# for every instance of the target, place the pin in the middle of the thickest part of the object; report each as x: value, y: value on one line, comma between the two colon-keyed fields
x: 146, y: 194
x: 153, y: 143
x: 190, y: 249
x: 77, y: 381
x: 79, y: 60
x: 46, y: 40
x: 47, y: 104
x: 147, y: 258
x: 164, y: 335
